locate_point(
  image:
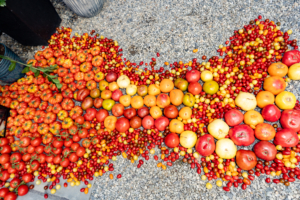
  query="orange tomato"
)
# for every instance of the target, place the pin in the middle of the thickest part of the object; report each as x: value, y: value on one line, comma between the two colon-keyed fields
x: 155, y: 112
x: 278, y: 69
x: 176, y: 97
x: 264, y: 98
x: 176, y: 126
x: 125, y: 100
x: 166, y: 85
x: 153, y: 90
x: 185, y: 113
x: 110, y: 122
x: 274, y: 84
x: 150, y: 100
x: 163, y: 100
x: 137, y: 102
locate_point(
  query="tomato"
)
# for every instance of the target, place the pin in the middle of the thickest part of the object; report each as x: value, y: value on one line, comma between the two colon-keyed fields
x: 80, y: 151
x: 3, y: 192
x: 25, y: 141
x: 83, y: 133
x: 46, y: 94
x: 34, y: 165
x: 68, y: 142
x: 69, y: 78
x: 76, y: 112
x: 89, y: 76
x: 20, y: 166
x: 67, y: 104
x: 22, y: 190
x: 86, y: 143
x: 86, y: 67
x: 57, y: 159
x: 15, y: 157
x: 29, y: 113
x: 73, y: 157
x: 80, y: 85
x: 49, y: 159
x: 58, y: 143
x: 79, y: 120
x: 47, y: 138
x: 67, y: 123
x: 91, y: 84
x: 82, y: 94
x: 56, y: 98
x: 65, y: 162
x: 90, y: 114
x: 26, y: 157
x: 15, y: 182
x: 50, y: 118
x: 5, y: 149
x: 39, y: 116
x: 21, y: 108
x: 57, y: 151
x: 4, y: 175
x: 97, y: 61
x: 86, y: 125
x: 75, y: 146
x: 10, y: 196
x: 19, y: 120
x: 3, y: 142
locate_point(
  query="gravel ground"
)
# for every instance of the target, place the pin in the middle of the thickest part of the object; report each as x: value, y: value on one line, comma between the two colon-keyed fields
x: 174, y: 29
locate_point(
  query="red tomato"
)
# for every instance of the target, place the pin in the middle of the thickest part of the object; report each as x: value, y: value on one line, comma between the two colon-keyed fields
x: 57, y: 159
x: 90, y: 114
x: 39, y: 149
x: 4, y: 175
x: 3, y: 192
x: 83, y: 133
x: 49, y: 159
x: 65, y: 162
x: 15, y: 182
x: 34, y: 165
x: 10, y: 196
x: 75, y: 146
x: 36, y: 142
x: 73, y: 157
x: 27, y: 177
x: 42, y: 158
x: 22, y: 190
x: 26, y: 157
x: 4, y: 158
x: 68, y: 142
x: 5, y: 149
x: 80, y: 151
x: 3, y: 141
x: 58, y: 143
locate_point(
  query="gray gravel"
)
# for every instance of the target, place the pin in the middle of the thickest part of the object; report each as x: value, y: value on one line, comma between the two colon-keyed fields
x: 174, y: 29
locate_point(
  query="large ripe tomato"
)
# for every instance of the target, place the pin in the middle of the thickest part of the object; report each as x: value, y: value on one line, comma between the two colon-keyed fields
x: 49, y: 159
x: 26, y: 157
x: 57, y: 159
x: 75, y: 146
x: 27, y: 177
x: 82, y: 94
x: 82, y: 133
x: 73, y: 157
x: 39, y: 149
x: 57, y: 151
x: 10, y: 196
x: 15, y: 157
x: 90, y: 114
x: 20, y: 166
x: 36, y: 142
x: 25, y: 141
x: 246, y: 159
x: 4, y: 175
x: 65, y: 162
x: 80, y: 151
x: 68, y: 142
x: 76, y: 138
x: 22, y: 190
x: 5, y: 149
x: 58, y: 143
x: 42, y: 158
x: 4, y: 158
x: 15, y: 182
x: 3, y: 192
x: 3, y: 141
x: 34, y: 165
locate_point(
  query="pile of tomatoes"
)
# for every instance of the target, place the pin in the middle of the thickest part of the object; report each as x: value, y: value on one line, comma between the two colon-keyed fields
x: 108, y: 106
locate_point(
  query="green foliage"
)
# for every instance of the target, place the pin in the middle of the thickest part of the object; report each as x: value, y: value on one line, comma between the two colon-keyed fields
x: 36, y: 70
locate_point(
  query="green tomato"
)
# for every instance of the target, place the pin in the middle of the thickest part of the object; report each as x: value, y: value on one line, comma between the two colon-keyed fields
x: 211, y: 87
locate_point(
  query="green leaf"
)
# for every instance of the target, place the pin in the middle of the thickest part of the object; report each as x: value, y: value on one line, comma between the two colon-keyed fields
x: 12, y: 66
x: 25, y: 70
x: 49, y: 79
x: 36, y: 73
x: 2, y: 3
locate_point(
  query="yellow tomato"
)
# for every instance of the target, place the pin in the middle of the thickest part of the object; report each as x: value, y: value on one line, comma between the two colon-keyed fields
x: 294, y: 72
x: 285, y: 100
